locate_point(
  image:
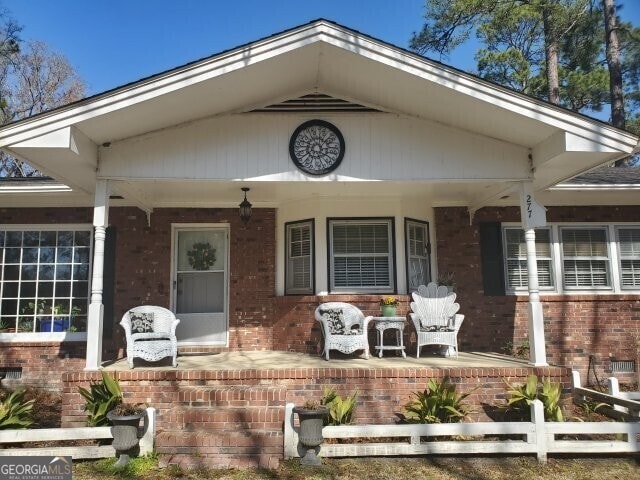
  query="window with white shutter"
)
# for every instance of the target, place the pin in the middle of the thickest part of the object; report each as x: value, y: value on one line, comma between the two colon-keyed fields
x: 585, y: 258
x: 299, y: 269
x: 629, y: 248
x: 516, y: 259
x: 361, y: 255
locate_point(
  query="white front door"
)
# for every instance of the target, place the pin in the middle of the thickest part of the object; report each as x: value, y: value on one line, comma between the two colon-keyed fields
x: 200, y: 284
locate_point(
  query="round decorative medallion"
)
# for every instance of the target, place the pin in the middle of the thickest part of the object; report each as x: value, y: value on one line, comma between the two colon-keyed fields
x: 317, y: 147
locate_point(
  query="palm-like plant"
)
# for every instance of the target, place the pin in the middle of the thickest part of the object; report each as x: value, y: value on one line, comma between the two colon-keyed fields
x: 438, y: 403
x: 101, y: 398
x: 15, y: 413
x: 522, y: 396
x: 340, y: 410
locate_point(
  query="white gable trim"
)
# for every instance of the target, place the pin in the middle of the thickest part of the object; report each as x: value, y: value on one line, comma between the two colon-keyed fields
x: 332, y: 34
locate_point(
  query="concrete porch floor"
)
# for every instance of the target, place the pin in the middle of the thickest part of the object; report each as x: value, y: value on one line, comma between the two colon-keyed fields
x: 274, y: 360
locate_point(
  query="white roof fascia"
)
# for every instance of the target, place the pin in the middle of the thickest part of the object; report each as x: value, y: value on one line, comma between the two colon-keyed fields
x: 308, y: 34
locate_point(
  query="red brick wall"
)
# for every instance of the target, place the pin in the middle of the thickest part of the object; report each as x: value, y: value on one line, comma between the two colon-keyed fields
x: 42, y: 362
x: 576, y: 326
x: 235, y: 417
x: 143, y: 276
x: 143, y: 267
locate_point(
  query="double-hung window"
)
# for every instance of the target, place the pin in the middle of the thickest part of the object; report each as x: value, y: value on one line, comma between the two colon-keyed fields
x: 629, y: 252
x: 516, y: 259
x: 585, y: 258
x: 361, y: 255
x: 44, y: 279
x: 300, y: 257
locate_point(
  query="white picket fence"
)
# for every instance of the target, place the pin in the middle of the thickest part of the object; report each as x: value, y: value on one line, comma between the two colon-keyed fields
x: 624, y: 405
x: 536, y: 437
x: 82, y: 433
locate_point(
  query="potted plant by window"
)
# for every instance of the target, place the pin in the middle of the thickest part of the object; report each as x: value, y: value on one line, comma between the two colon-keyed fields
x: 60, y: 319
x: 388, y: 306
x: 311, y: 416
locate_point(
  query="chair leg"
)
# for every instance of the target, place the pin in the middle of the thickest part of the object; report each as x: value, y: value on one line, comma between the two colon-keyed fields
x: 366, y: 354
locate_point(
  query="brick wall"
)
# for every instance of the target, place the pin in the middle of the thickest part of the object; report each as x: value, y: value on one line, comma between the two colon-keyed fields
x: 576, y: 326
x: 42, y: 362
x: 235, y: 417
x: 143, y: 276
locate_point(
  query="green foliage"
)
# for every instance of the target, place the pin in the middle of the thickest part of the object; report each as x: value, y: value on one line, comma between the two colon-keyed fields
x: 522, y: 396
x: 15, y: 413
x: 589, y: 408
x: 340, y: 410
x: 101, y: 398
x: 438, y: 403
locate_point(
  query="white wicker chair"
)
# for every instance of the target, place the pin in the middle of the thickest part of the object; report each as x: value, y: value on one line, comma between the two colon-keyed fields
x: 354, y: 324
x: 434, y: 315
x: 157, y: 344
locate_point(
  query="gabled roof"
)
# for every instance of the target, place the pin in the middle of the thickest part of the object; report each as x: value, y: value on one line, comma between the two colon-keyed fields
x: 320, y: 57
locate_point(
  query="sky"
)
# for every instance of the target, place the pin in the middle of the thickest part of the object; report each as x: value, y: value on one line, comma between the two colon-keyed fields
x: 114, y: 42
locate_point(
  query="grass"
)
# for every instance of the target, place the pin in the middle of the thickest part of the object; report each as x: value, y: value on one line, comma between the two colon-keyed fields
x: 427, y: 468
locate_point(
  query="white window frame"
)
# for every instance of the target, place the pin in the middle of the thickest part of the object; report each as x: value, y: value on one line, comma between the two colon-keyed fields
x: 558, y: 263
x: 620, y: 257
x: 289, y: 290
x: 390, y: 222
x: 505, y: 262
x: 34, y: 337
x: 607, y: 259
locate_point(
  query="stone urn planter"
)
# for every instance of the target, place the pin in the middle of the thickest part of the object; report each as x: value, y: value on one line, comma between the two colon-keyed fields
x: 125, y: 420
x: 310, y: 437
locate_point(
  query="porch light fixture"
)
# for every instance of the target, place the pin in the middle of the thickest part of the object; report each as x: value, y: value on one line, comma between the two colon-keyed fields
x: 245, y: 207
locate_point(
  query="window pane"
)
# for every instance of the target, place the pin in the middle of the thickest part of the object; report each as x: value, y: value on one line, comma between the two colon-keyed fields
x: 629, y: 244
x: 299, y: 258
x: 516, y: 258
x: 586, y: 262
x: 36, y: 284
x: 361, y: 255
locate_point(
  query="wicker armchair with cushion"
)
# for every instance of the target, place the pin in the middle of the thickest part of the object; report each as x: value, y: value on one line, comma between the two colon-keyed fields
x: 344, y: 328
x: 151, y: 334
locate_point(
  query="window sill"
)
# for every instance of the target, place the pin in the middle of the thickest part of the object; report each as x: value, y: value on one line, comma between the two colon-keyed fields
x: 43, y: 337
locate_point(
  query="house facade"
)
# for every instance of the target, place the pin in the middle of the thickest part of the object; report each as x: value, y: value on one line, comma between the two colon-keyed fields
x: 369, y: 170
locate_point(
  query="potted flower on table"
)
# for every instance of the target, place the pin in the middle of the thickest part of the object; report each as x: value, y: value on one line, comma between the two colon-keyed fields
x: 388, y: 306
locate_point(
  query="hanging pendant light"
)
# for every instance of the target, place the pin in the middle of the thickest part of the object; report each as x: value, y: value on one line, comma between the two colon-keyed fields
x: 245, y: 207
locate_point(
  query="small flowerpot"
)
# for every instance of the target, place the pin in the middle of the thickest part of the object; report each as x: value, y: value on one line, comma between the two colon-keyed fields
x: 125, y: 435
x: 60, y: 324
x: 388, y: 310
x: 310, y: 436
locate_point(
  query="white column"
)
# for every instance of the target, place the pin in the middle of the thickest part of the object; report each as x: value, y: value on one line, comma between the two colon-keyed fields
x: 96, y: 308
x: 533, y: 215
x: 537, y: 348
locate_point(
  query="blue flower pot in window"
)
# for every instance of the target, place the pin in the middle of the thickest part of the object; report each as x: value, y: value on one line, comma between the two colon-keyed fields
x: 60, y: 324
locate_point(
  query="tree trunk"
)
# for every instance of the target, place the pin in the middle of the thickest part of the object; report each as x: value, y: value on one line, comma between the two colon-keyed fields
x: 551, y: 56
x: 615, y: 67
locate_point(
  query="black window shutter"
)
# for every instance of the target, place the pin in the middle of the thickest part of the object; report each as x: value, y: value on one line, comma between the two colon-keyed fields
x: 109, y: 281
x: 491, y: 253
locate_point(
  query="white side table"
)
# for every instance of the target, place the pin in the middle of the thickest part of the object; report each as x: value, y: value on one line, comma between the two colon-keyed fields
x: 395, y: 323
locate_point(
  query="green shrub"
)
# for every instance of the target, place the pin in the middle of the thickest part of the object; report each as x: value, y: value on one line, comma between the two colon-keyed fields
x: 15, y: 413
x: 101, y: 398
x: 340, y: 410
x: 438, y: 403
x: 522, y: 396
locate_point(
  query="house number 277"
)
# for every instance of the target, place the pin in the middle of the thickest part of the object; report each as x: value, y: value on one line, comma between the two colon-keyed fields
x: 529, y: 209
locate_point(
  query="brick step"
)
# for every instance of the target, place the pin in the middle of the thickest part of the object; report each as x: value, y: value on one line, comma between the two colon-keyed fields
x: 195, y: 397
